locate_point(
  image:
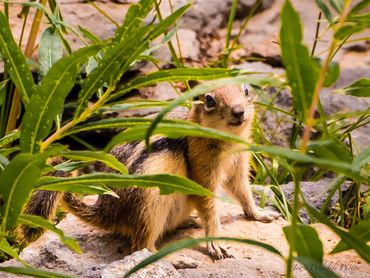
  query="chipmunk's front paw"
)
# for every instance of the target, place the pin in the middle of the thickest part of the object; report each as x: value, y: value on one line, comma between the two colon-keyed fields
x: 263, y: 215
x: 216, y: 251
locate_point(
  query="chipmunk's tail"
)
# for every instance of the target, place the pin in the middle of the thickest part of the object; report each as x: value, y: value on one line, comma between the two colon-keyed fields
x: 42, y: 203
x: 76, y: 206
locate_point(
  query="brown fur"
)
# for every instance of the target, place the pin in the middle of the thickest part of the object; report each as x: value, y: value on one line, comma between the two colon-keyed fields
x: 144, y: 214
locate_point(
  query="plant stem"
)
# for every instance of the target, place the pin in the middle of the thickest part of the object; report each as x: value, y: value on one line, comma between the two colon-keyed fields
x: 176, y: 60
x: 310, y: 117
x: 245, y: 22
x: 316, y: 34
x: 289, y: 264
x: 230, y: 22
x: 16, y: 102
x: 107, y: 16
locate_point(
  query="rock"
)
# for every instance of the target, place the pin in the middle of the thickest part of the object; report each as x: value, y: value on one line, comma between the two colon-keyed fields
x: 118, y: 269
x: 106, y: 254
x: 315, y: 194
x: 181, y: 261
x: 189, y: 45
x: 208, y: 16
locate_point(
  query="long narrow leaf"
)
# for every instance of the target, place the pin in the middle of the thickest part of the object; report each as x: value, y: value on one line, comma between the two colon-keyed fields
x: 9, y: 138
x: 50, y: 50
x: 133, y: 18
x: 84, y: 189
x: 107, y: 159
x: 15, y: 61
x: 39, y: 222
x: 180, y: 74
x: 17, y: 181
x: 300, y: 68
x: 174, y: 130
x: 360, y: 88
x: 166, y: 183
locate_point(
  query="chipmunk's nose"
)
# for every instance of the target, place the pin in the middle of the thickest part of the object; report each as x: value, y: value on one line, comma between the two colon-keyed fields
x: 238, y: 113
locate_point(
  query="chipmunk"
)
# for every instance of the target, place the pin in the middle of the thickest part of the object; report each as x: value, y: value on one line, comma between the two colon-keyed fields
x: 145, y: 215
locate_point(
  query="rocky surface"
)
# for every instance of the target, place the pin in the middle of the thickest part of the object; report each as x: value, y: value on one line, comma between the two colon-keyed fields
x: 104, y: 253
x: 118, y: 269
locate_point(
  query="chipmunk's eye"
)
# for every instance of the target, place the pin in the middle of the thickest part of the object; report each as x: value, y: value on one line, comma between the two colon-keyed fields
x: 246, y: 90
x: 210, y: 101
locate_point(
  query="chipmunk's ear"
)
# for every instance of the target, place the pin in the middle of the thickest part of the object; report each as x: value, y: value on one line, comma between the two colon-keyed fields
x: 193, y: 83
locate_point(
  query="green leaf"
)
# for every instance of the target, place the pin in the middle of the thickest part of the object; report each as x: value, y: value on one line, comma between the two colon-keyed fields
x: 106, y: 158
x: 133, y: 18
x: 300, y: 68
x: 84, y: 189
x: 360, y: 6
x: 331, y: 75
x: 29, y: 271
x: 93, y: 38
x: 17, y: 181
x: 15, y: 61
x: 317, y: 270
x: 8, y: 151
x: 48, y: 102
x: 50, y: 49
x: 350, y: 240
x: 330, y: 149
x: 6, y: 248
x: 130, y: 105
x: 166, y: 183
x: 173, y: 130
x: 186, y: 243
x: 305, y: 241
x: 355, y: 23
x: 9, y: 138
x: 110, y: 123
x: 39, y: 222
x: 337, y: 5
x: 361, y: 231
x: 180, y: 74
x: 69, y: 166
x: 324, y: 8
x: 361, y: 88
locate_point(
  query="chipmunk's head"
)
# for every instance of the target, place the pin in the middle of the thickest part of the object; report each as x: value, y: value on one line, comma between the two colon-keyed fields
x: 227, y: 108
